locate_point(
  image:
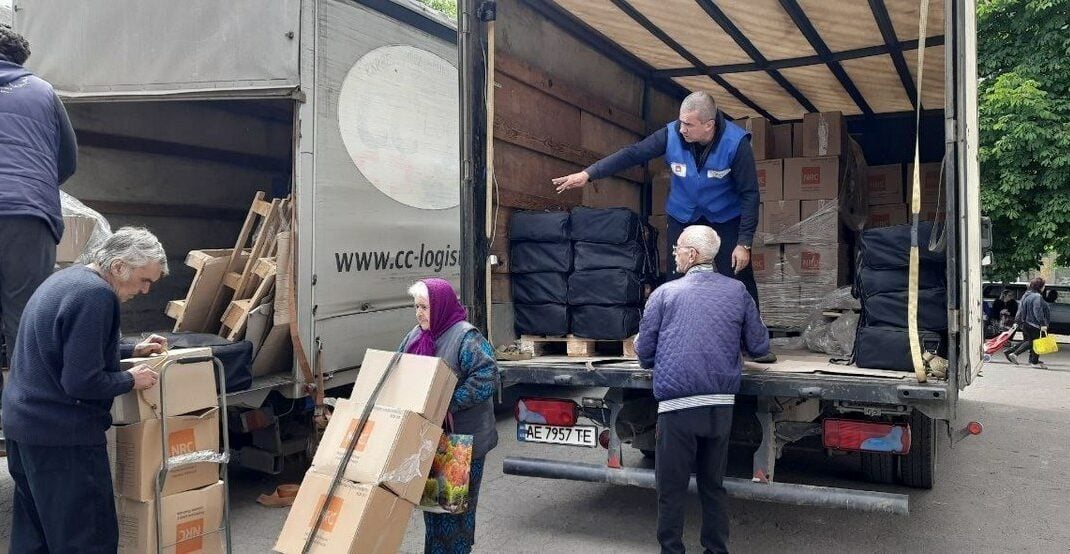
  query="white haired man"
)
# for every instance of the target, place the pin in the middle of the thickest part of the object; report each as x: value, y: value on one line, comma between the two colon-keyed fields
x: 691, y: 334
x: 57, y: 402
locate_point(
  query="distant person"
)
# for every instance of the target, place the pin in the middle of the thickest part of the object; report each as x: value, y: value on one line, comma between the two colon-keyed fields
x: 38, y: 152
x: 1033, y: 318
x: 1004, y: 310
x: 693, y: 334
x: 57, y: 404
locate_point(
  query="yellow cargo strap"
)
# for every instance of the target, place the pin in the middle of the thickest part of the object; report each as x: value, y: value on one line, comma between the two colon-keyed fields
x: 915, y: 208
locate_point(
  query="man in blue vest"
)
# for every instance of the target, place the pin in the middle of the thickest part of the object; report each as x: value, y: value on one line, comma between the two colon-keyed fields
x: 714, y: 182
x: 38, y: 151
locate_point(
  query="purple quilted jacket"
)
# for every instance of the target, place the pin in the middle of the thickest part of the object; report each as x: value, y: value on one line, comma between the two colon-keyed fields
x: 692, y: 333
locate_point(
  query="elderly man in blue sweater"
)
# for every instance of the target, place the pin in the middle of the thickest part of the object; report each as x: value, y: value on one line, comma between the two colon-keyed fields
x: 691, y: 334
x: 57, y: 403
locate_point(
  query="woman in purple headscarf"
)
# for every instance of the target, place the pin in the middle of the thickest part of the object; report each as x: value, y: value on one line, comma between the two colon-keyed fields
x: 444, y: 332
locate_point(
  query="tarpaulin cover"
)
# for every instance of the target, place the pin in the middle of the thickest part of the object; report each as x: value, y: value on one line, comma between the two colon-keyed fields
x: 541, y: 319
x: 540, y: 257
x: 889, y: 347
x: 540, y: 288
x: 606, y: 225
x: 594, y: 255
x: 604, y: 287
x: 877, y: 281
x: 605, y: 322
x: 539, y: 226
x: 236, y: 357
x: 890, y: 309
x: 889, y: 247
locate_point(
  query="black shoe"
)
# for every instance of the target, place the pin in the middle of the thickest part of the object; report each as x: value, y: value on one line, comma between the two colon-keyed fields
x: 769, y: 358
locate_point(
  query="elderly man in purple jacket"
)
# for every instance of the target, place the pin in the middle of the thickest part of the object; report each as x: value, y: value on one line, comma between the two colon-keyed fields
x: 691, y: 334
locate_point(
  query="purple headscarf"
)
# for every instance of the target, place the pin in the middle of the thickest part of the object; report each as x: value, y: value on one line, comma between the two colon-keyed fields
x: 446, y: 311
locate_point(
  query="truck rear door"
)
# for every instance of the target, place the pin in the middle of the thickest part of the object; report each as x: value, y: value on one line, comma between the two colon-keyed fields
x: 377, y: 173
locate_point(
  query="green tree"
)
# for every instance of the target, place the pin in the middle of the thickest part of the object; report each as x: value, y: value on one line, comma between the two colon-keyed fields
x: 1023, y: 63
x: 448, y: 7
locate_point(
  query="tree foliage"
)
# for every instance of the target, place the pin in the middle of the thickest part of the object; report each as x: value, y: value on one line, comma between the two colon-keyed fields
x: 448, y: 7
x: 1024, y: 108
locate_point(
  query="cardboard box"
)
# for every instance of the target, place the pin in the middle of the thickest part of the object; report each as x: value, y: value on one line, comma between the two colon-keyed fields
x: 770, y: 175
x: 136, y: 455
x: 767, y: 263
x: 796, y: 140
x: 421, y: 384
x: 807, y: 208
x: 395, y: 449
x: 190, y: 388
x: 930, y: 212
x: 811, y: 178
x: 930, y: 183
x: 782, y: 141
x: 780, y: 215
x: 77, y: 229
x: 779, y: 305
x: 817, y: 264
x: 884, y: 184
x: 660, y: 186
x: 761, y: 136
x: 824, y: 134
x: 190, y: 520
x: 360, y: 518
x: 886, y: 215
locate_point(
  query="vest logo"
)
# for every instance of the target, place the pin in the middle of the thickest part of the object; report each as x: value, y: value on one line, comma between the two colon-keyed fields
x: 680, y: 170
x: 189, y: 537
x: 718, y: 174
x: 811, y: 261
x: 182, y: 442
x: 362, y: 442
x: 761, y: 179
x: 811, y: 176
x: 334, y: 509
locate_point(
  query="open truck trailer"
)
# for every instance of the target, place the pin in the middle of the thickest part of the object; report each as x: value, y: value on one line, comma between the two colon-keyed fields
x: 184, y: 111
x: 549, y: 86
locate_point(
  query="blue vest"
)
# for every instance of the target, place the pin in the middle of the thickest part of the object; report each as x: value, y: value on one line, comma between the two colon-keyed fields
x: 709, y: 191
x: 29, y: 147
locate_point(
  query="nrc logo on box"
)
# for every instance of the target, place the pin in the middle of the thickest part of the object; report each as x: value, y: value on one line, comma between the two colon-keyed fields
x: 189, y: 537
x: 182, y: 442
x: 362, y: 442
x: 334, y: 509
x: 811, y: 176
x: 761, y: 178
x: 811, y: 261
x: 758, y: 262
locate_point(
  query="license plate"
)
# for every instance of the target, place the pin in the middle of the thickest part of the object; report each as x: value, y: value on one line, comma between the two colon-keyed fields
x: 578, y: 435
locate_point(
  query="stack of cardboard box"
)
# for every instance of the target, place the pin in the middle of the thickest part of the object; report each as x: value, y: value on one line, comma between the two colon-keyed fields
x: 386, y: 474
x: 192, y: 500
x: 812, y: 204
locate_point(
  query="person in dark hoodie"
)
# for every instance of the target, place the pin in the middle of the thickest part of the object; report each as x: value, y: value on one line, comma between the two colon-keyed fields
x: 1033, y: 318
x: 38, y: 152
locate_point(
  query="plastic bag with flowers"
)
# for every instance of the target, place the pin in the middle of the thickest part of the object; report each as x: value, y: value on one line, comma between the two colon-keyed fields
x: 446, y: 490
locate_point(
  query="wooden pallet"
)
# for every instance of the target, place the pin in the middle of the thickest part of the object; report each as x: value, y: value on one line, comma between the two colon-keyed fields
x: 192, y: 312
x: 237, y: 313
x: 259, y: 235
x: 577, y: 347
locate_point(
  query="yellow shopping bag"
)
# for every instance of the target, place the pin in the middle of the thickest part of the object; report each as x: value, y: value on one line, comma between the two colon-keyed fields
x: 1045, y: 345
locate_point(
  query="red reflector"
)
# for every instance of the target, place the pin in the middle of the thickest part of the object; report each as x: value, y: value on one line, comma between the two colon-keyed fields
x: 549, y: 411
x: 974, y: 428
x: 603, y: 438
x: 849, y: 434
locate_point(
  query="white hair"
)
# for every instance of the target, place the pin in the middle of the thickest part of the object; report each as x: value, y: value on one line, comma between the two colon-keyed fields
x: 704, y: 240
x: 418, y: 291
x: 701, y: 103
x: 135, y: 247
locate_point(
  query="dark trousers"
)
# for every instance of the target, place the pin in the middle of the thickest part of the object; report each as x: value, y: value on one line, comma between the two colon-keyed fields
x: 729, y: 233
x: 63, y: 499
x: 27, y: 258
x: 1030, y: 333
x: 692, y: 440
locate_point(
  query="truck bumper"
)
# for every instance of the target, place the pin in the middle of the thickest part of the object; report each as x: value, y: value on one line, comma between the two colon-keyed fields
x: 782, y: 493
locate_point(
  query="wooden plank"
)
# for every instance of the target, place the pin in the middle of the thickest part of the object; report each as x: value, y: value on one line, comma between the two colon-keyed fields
x: 612, y: 193
x: 526, y: 171
x: 193, y: 312
x: 501, y: 288
x: 225, y: 294
x: 577, y: 347
x: 603, y: 138
x: 499, y: 246
x: 522, y: 201
x: 175, y: 309
x: 539, y: 114
x: 513, y: 132
x: 237, y: 314
x: 573, y: 95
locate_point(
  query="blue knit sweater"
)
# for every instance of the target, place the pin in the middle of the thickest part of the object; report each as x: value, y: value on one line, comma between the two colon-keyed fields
x: 691, y: 334
x: 65, y: 371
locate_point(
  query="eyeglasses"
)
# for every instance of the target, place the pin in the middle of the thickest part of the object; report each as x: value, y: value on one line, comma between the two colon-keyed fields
x: 676, y: 248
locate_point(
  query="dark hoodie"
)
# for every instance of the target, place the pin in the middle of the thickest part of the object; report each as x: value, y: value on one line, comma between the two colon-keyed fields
x: 38, y: 149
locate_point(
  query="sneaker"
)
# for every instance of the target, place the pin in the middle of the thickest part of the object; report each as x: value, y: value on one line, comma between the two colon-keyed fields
x: 1038, y: 365
x: 1013, y: 358
x: 769, y: 358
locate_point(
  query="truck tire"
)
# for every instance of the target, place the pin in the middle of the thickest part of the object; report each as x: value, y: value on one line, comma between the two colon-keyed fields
x: 879, y: 468
x: 918, y: 467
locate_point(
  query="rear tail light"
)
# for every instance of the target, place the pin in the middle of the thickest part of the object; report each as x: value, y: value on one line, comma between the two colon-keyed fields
x: 849, y: 434
x: 548, y: 411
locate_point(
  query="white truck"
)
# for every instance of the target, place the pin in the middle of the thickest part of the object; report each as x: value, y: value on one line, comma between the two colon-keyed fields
x: 617, y: 62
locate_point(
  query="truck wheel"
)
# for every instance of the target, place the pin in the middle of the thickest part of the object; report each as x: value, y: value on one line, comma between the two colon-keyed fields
x: 918, y: 468
x: 879, y: 468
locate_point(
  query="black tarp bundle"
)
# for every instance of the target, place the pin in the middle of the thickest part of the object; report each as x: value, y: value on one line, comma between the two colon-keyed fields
x: 604, y: 287
x: 889, y: 347
x: 541, y: 319
x: 539, y: 226
x: 540, y: 288
x: 605, y: 225
x: 540, y: 257
x: 595, y: 255
x: 605, y: 322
